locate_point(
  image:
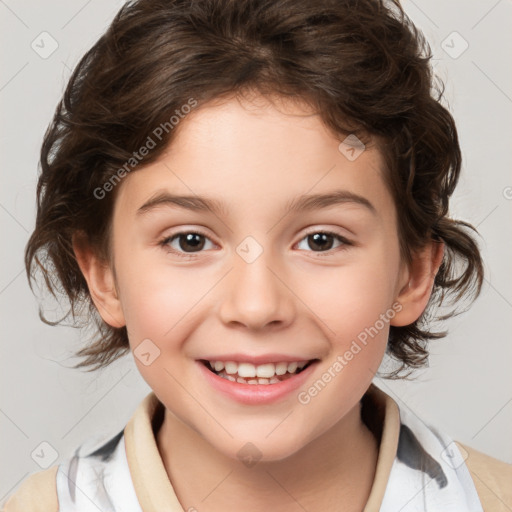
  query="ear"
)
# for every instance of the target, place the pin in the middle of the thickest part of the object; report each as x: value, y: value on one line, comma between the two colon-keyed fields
x: 100, y: 281
x: 417, y: 283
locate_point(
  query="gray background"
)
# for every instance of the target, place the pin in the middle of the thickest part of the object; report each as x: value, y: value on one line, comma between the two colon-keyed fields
x: 466, y: 391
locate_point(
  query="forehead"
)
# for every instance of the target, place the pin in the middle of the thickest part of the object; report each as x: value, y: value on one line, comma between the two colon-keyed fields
x: 257, y: 154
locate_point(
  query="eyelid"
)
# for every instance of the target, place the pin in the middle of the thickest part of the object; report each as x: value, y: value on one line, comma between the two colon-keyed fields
x: 328, y: 231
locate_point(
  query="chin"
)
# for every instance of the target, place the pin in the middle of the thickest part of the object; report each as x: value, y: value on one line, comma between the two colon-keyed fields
x: 255, y: 446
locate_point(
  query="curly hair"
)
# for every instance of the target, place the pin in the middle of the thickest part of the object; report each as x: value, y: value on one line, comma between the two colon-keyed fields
x: 361, y: 64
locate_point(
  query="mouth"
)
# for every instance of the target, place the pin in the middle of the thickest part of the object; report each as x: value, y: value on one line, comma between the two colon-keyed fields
x: 262, y: 374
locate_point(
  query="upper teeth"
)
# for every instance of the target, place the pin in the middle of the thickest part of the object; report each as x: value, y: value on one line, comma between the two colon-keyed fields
x: 266, y: 370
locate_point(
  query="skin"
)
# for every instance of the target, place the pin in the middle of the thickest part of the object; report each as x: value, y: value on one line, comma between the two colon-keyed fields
x: 295, y: 299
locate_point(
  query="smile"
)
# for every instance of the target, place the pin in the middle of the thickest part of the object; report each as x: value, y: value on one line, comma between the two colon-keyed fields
x: 248, y: 373
x: 256, y: 384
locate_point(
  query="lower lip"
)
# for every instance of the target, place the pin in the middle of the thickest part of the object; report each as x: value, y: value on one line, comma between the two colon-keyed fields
x: 254, y: 394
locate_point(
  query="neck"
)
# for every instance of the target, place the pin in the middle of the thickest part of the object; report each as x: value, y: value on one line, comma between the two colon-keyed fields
x: 336, y: 468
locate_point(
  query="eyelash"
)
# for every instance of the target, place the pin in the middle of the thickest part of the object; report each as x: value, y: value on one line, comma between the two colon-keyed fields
x: 165, y: 243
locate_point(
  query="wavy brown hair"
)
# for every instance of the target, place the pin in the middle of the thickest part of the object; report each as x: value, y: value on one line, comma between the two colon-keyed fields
x: 361, y: 64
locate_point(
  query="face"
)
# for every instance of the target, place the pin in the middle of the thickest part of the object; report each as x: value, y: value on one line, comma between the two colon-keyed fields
x: 265, y: 278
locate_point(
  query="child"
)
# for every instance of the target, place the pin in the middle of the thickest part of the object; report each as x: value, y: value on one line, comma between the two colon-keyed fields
x: 297, y: 146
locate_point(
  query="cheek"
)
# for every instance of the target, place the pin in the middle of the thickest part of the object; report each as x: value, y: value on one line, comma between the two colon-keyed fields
x: 156, y: 300
x: 350, y: 298
x: 355, y: 306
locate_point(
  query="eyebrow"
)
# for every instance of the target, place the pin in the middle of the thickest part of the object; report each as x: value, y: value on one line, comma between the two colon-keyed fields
x: 319, y: 201
x: 298, y: 204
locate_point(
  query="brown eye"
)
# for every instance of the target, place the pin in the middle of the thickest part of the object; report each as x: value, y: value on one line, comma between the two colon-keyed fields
x: 320, y: 241
x: 190, y: 242
x: 186, y: 242
x: 323, y: 241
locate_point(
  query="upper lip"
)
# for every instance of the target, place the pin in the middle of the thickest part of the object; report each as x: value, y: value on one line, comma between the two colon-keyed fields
x: 257, y: 359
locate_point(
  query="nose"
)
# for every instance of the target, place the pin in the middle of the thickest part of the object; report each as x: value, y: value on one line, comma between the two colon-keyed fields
x: 256, y: 295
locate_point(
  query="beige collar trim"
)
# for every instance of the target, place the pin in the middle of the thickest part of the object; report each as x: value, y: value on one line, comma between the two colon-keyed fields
x: 150, y: 480
x: 388, y: 446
